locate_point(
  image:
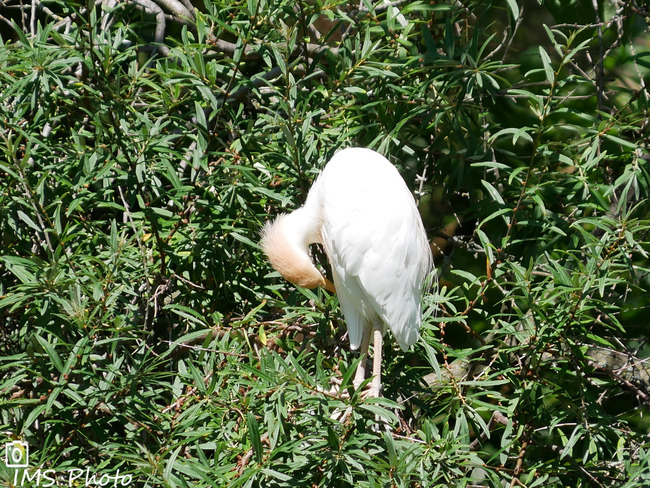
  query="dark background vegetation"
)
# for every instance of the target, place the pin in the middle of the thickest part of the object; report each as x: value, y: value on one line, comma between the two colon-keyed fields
x: 145, y: 142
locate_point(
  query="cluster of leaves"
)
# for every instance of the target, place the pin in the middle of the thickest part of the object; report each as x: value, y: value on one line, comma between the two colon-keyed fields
x: 142, y: 331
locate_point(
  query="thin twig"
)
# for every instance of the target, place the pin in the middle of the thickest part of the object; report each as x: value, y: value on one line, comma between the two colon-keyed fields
x: 514, y: 31
x: 600, y: 70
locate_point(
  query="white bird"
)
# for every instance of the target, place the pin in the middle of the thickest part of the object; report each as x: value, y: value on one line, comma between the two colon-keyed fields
x: 366, y: 219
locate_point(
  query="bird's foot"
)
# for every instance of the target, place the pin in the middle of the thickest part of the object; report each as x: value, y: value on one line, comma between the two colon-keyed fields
x: 335, y: 389
x: 371, y: 390
x: 371, y: 393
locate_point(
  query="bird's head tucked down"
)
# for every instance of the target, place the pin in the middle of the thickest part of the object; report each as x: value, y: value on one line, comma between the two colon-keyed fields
x: 286, y: 244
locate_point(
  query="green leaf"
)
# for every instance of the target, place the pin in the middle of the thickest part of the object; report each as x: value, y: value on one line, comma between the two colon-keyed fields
x: 517, y: 133
x: 380, y: 409
x: 254, y: 436
x: 19, y: 267
x: 51, y: 352
x: 27, y: 219
x: 514, y: 10
x: 496, y: 196
x: 548, y: 66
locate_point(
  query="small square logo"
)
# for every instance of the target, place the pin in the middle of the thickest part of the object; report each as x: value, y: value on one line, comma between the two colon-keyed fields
x: 16, y: 454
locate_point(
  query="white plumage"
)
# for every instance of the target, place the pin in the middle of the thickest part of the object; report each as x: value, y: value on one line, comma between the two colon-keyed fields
x: 365, y: 217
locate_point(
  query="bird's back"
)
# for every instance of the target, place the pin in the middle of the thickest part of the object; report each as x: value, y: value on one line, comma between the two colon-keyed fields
x: 374, y: 237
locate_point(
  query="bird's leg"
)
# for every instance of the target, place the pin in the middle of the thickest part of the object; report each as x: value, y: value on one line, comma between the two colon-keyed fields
x: 375, y: 385
x: 360, y: 375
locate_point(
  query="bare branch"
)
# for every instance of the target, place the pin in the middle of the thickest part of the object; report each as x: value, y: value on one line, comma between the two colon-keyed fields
x: 152, y: 8
x: 178, y: 10
x: 188, y: 6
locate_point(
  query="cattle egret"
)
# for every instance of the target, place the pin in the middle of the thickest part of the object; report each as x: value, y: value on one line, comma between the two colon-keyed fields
x: 366, y: 219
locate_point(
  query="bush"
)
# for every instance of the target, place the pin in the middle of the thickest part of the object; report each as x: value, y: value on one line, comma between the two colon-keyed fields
x: 143, y: 334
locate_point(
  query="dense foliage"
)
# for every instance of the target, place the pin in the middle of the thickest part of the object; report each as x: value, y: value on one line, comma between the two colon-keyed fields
x: 145, y: 143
